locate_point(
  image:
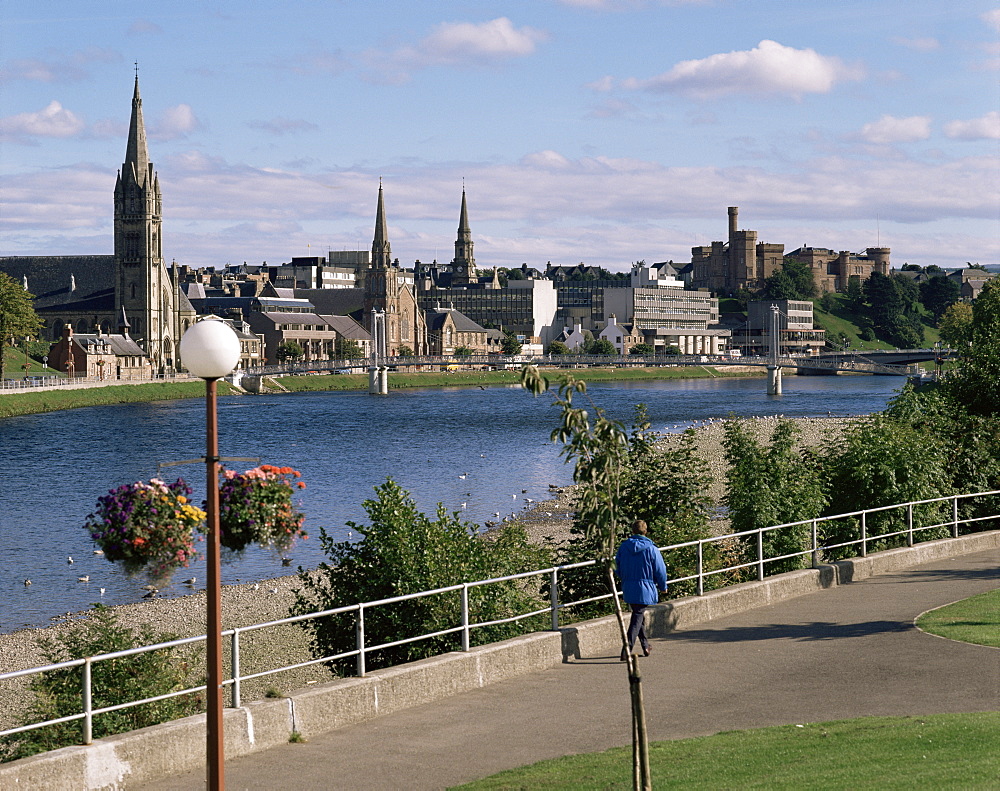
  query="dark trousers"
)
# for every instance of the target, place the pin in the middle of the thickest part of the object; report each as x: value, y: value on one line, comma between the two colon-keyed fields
x: 636, y: 626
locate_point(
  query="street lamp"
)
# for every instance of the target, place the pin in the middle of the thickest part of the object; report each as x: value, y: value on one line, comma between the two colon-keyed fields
x: 210, y: 350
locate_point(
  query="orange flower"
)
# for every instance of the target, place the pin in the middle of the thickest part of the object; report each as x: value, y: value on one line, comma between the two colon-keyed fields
x: 301, y: 484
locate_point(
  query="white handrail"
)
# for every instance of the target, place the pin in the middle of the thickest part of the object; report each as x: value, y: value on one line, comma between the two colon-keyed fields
x: 554, y: 606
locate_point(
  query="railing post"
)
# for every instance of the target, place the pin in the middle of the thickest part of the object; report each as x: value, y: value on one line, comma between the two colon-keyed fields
x: 909, y: 524
x: 361, y: 640
x: 954, y: 516
x: 815, y: 545
x: 465, y: 616
x: 760, y: 554
x: 236, y: 669
x: 554, y: 598
x: 88, y: 706
x: 701, y: 568
x: 864, y: 534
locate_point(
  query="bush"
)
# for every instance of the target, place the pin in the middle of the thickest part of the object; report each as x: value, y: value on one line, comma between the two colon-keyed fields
x: 58, y: 693
x: 772, y: 486
x: 403, y: 551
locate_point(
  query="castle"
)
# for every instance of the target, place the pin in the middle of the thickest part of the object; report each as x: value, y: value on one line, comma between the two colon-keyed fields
x: 743, y: 262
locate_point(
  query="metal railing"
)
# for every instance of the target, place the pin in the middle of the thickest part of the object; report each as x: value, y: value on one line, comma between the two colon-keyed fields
x: 863, y: 540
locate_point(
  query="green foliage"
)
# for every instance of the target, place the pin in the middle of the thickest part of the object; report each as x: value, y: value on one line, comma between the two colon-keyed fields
x: 17, y: 314
x: 769, y: 486
x: 643, y: 349
x: 404, y: 351
x: 938, y: 293
x: 346, y: 349
x: 671, y: 351
x: 289, y: 350
x: 879, y: 461
x: 510, y: 344
x: 793, y: 281
x: 600, y: 346
x: 58, y: 693
x: 892, y: 305
x: 557, y: 347
x: 403, y: 551
x: 976, y: 383
x: 956, y: 325
x: 463, y: 351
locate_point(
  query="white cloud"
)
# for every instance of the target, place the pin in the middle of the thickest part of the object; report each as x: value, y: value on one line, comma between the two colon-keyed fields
x: 985, y: 128
x: 174, y: 122
x: 992, y: 18
x: 602, y: 85
x: 770, y: 68
x: 52, y: 121
x: 458, y: 44
x: 141, y: 26
x: 889, y: 129
x: 62, y: 67
x: 620, y: 5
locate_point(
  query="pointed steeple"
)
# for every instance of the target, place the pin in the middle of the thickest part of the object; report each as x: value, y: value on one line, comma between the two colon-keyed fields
x: 381, y: 250
x: 463, y: 267
x: 136, y: 153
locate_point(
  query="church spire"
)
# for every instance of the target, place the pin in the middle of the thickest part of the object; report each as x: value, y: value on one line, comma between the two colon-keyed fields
x: 136, y: 153
x: 463, y: 267
x: 381, y: 251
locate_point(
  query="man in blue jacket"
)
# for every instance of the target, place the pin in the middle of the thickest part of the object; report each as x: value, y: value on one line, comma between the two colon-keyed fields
x: 643, y: 573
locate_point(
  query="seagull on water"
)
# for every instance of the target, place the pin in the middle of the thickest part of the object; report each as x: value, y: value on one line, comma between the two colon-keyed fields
x: 98, y: 551
x: 150, y: 593
x: 102, y: 591
x: 70, y: 560
x: 27, y: 583
x: 286, y: 561
x: 463, y: 476
x: 85, y: 578
x: 191, y: 581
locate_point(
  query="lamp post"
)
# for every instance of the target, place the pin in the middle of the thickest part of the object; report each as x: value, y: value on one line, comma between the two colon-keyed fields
x: 210, y: 350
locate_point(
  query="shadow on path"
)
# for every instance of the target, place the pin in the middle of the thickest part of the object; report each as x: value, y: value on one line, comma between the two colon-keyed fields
x: 817, y: 630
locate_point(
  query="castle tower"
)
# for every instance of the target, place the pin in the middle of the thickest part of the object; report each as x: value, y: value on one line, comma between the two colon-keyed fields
x: 144, y: 293
x: 463, y: 267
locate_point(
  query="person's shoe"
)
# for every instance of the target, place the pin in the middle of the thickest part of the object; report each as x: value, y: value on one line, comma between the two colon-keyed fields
x: 646, y: 649
x: 624, y: 656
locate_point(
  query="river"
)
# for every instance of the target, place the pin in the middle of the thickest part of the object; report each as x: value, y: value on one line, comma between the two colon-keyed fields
x: 471, y: 446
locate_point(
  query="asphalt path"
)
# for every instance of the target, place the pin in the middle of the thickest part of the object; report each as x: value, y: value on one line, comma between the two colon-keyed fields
x: 840, y: 653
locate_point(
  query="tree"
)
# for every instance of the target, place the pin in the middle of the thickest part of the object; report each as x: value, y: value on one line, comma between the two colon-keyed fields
x: 976, y: 383
x: 793, y: 281
x: 17, y: 314
x: 599, y: 452
x: 557, y: 347
x: 643, y: 349
x: 405, y: 551
x: 346, y: 349
x: 510, y: 344
x: 404, y: 351
x: 602, y: 346
x: 892, y: 307
x: 463, y: 351
x: 956, y: 325
x: 289, y: 350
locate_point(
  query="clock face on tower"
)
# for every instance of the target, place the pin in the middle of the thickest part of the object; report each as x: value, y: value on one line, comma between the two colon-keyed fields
x: 459, y: 268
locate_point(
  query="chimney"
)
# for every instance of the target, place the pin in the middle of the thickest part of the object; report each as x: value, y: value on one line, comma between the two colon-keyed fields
x: 733, y: 226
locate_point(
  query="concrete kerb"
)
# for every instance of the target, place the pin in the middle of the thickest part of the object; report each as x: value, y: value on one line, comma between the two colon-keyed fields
x: 161, y: 750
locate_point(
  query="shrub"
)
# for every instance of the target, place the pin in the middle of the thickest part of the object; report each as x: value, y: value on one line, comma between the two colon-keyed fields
x: 403, y: 551
x: 58, y: 693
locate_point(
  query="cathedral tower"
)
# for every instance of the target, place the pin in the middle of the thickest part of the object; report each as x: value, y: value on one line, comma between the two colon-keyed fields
x: 144, y: 292
x: 463, y: 268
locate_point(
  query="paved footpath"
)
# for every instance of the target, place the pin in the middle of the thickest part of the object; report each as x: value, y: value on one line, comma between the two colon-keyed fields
x: 846, y: 652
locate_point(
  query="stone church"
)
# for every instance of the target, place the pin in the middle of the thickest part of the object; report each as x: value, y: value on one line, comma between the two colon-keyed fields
x: 129, y: 293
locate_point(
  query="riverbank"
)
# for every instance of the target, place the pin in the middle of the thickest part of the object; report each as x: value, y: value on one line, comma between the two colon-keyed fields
x: 34, y: 402
x: 547, y: 522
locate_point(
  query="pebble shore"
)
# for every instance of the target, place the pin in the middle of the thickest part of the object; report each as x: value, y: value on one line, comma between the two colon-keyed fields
x: 243, y: 605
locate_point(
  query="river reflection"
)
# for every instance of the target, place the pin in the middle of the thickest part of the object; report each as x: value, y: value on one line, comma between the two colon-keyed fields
x: 456, y: 446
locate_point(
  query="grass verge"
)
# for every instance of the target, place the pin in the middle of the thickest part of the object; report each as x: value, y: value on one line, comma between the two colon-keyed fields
x: 943, y: 751
x: 973, y: 620
x: 30, y: 403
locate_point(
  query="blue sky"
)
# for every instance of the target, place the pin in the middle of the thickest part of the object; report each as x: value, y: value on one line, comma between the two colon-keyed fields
x: 601, y: 131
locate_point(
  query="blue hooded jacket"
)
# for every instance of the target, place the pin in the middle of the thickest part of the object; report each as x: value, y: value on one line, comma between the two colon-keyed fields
x: 643, y: 572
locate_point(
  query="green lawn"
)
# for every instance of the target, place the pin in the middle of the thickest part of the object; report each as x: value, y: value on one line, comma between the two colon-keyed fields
x: 33, y: 402
x: 944, y: 751
x: 974, y: 620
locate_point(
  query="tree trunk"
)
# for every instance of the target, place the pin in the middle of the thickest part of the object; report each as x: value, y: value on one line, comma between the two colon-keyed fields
x: 641, y: 780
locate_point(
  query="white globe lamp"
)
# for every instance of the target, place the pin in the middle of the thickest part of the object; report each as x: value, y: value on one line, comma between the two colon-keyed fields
x: 210, y: 349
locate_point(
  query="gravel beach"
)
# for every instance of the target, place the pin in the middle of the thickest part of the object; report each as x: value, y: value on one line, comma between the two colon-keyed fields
x: 247, y: 604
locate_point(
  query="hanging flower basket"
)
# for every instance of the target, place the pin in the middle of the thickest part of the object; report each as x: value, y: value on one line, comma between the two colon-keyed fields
x: 147, y: 525
x: 255, y: 507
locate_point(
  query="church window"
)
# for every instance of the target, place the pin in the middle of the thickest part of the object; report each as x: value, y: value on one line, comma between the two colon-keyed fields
x: 405, y: 329
x: 133, y: 290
